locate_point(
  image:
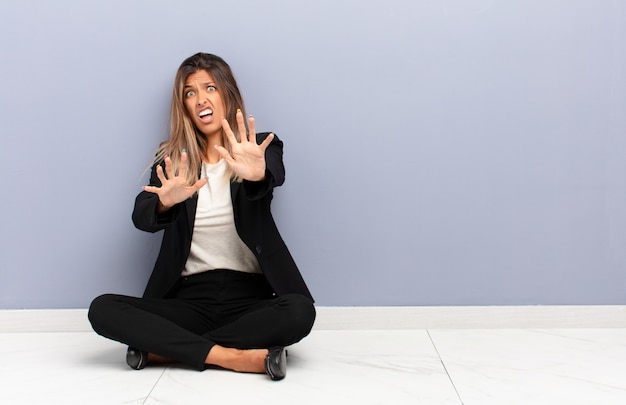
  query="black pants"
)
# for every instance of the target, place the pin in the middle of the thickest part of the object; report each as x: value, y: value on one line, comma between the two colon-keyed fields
x: 229, y: 308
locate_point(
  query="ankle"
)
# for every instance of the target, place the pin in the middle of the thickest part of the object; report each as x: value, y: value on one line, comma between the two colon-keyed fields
x: 245, y: 361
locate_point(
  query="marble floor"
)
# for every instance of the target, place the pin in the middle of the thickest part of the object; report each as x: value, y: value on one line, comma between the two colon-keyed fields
x: 439, y: 366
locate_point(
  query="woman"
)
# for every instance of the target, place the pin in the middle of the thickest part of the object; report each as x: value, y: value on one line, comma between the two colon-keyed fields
x: 224, y: 290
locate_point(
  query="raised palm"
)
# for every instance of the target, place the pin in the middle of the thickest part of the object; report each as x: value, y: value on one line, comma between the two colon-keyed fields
x: 247, y: 158
x: 174, y: 188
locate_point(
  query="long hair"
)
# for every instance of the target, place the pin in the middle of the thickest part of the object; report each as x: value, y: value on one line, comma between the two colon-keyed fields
x: 183, y: 132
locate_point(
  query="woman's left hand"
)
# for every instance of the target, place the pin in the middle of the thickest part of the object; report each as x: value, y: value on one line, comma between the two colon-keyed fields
x: 247, y: 158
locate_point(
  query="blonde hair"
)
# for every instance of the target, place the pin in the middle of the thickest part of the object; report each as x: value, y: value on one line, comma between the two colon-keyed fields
x: 183, y: 133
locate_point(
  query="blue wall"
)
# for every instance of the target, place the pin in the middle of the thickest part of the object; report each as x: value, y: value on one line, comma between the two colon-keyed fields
x: 437, y: 152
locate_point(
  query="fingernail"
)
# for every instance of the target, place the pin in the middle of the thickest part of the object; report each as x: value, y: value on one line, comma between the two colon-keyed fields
x: 238, y: 110
x: 184, y: 150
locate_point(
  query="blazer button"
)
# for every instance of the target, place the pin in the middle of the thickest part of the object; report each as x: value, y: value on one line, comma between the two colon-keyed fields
x: 258, y: 249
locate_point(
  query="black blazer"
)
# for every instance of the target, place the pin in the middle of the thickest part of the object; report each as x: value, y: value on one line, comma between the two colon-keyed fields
x: 253, y: 221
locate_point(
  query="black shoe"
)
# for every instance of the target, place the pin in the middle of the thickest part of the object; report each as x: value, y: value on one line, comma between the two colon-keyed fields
x: 135, y: 358
x: 276, y: 363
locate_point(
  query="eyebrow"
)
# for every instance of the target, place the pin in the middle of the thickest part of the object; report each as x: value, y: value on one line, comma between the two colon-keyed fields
x: 204, y: 84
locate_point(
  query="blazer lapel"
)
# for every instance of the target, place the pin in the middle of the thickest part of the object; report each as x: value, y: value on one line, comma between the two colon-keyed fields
x: 234, y: 189
x: 191, y: 204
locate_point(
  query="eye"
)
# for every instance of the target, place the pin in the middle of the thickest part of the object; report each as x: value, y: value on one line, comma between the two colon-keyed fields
x: 211, y: 88
x: 190, y: 94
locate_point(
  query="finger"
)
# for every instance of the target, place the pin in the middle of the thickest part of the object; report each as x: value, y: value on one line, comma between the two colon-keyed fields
x: 241, y: 127
x: 224, y: 154
x: 200, y: 183
x: 229, y: 132
x: 151, y: 189
x: 169, y: 169
x: 160, y: 175
x: 182, y: 169
x: 266, y: 142
x: 252, y: 129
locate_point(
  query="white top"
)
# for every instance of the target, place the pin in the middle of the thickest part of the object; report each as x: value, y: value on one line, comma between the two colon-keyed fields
x: 215, y: 243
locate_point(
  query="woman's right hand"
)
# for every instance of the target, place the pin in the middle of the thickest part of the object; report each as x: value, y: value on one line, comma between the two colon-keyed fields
x: 174, y: 188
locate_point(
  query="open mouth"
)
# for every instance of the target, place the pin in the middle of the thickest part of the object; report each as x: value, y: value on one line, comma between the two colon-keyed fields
x: 206, y: 115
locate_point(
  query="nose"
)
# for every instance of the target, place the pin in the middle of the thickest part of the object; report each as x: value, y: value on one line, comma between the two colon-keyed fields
x: 202, y: 98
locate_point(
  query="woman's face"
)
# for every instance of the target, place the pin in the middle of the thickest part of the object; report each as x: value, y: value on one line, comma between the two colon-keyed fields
x: 204, y: 103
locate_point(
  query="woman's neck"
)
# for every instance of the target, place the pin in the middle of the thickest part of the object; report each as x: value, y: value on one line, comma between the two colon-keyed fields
x: 211, y: 155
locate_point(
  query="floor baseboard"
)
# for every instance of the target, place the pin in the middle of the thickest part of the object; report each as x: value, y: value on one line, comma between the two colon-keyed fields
x: 355, y: 318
